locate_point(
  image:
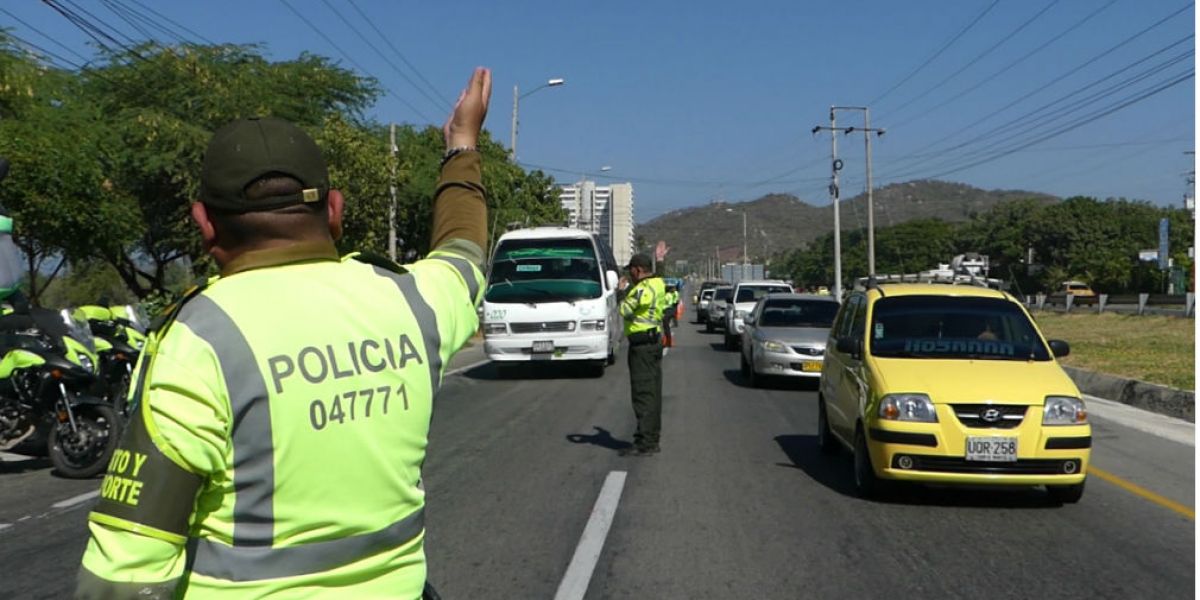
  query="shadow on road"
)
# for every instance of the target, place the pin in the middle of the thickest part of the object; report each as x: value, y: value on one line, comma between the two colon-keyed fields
x: 535, y: 370
x: 835, y: 473
x: 767, y: 382
x: 602, y: 438
x: 720, y: 347
x: 24, y: 466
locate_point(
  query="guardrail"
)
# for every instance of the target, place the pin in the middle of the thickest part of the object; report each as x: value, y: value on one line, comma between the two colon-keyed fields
x: 1177, y: 304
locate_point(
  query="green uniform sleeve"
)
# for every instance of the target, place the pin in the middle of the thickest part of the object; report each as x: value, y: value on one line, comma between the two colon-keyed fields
x: 167, y: 453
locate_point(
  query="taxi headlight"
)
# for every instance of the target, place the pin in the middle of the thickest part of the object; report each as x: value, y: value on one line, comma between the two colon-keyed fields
x: 495, y: 328
x: 1063, y: 410
x: 773, y: 346
x: 597, y: 325
x: 907, y: 407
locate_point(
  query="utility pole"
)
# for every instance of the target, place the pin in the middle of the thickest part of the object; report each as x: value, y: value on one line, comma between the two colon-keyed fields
x: 835, y: 195
x: 512, y: 150
x: 392, y: 206
x: 745, y: 246
x: 867, y: 131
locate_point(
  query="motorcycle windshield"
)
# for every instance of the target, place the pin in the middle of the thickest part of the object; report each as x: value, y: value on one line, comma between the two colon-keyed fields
x: 10, y: 260
x: 78, y: 328
x: 138, y: 317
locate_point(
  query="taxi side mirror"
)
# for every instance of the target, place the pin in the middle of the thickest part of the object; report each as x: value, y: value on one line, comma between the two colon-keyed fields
x: 1059, y: 348
x: 850, y: 345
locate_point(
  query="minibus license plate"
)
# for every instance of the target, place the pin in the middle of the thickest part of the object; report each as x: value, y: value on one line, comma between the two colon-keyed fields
x: 543, y: 347
x: 992, y: 449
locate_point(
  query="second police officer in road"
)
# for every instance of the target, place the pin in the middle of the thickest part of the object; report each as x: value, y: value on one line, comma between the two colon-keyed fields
x: 642, y: 311
x: 285, y: 408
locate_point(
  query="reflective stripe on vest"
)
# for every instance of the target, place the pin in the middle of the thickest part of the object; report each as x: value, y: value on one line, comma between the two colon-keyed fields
x: 466, y: 270
x: 649, y: 319
x: 255, y: 563
x: 426, y: 320
x: 253, y: 446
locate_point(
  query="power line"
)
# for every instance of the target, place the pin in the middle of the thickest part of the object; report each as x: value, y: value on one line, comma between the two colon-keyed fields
x: 380, y: 53
x: 388, y: 41
x: 42, y: 34
x: 936, y: 54
x: 978, y: 57
x: 1024, y: 124
x: 171, y: 21
x: 977, y: 85
x: 350, y: 58
x: 1042, y: 87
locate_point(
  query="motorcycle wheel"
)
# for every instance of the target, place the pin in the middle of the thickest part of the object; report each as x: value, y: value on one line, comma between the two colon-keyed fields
x: 85, y: 453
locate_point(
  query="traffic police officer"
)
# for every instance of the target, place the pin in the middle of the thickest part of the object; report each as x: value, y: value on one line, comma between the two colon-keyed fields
x: 285, y: 408
x: 642, y: 311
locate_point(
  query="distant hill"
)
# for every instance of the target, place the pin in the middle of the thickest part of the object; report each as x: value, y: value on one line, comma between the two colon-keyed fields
x: 778, y: 222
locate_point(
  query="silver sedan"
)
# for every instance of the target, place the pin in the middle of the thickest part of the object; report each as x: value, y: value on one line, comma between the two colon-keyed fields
x: 785, y: 336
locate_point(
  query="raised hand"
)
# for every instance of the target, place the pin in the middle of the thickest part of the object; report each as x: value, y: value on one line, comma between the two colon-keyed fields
x: 464, y: 123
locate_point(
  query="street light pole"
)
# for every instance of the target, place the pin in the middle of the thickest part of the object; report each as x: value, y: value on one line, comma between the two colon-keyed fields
x: 835, y: 195
x: 517, y: 95
x: 745, y: 246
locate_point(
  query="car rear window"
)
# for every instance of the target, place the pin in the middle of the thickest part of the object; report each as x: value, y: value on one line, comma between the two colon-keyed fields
x: 723, y: 294
x: 798, y: 313
x: 949, y: 327
x: 754, y: 293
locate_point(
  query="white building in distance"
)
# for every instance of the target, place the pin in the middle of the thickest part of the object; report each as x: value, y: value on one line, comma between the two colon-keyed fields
x: 603, y: 209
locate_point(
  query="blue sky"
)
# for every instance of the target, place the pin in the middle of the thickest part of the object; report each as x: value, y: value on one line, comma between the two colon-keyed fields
x: 699, y: 101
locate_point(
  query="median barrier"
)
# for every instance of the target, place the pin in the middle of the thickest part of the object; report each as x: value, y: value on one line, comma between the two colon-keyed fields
x: 1161, y: 399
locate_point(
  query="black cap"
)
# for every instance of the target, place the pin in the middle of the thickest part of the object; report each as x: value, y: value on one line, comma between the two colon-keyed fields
x: 247, y: 149
x: 640, y: 260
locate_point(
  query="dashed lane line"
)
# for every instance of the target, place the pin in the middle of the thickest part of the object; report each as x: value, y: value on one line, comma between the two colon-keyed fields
x: 72, y: 501
x: 579, y: 573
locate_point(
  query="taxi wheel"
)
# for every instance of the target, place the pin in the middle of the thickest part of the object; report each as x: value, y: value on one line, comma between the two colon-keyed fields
x: 825, y: 440
x: 866, y: 483
x: 1066, y: 494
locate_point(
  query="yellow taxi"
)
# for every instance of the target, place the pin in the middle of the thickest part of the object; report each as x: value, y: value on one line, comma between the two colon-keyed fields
x: 950, y: 384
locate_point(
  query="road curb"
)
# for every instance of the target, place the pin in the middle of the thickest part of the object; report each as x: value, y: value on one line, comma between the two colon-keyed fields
x: 1161, y: 399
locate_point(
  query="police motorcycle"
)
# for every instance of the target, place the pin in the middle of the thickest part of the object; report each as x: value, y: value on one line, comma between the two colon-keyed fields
x: 120, y: 333
x: 47, y: 361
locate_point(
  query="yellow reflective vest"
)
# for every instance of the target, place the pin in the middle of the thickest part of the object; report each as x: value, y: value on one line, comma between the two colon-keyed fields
x: 643, y: 306
x: 293, y: 404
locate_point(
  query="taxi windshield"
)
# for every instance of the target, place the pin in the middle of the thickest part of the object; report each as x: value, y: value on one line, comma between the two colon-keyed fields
x: 956, y: 328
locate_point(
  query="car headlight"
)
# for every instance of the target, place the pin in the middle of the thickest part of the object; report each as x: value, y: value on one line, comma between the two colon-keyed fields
x: 597, y: 325
x: 494, y: 328
x: 773, y: 346
x: 907, y: 407
x: 1064, y: 410
x: 741, y: 314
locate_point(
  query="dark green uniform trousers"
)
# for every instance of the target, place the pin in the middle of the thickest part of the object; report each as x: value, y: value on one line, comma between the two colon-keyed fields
x: 645, y: 382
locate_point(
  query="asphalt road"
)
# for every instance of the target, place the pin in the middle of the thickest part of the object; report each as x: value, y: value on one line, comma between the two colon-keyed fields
x: 740, y: 504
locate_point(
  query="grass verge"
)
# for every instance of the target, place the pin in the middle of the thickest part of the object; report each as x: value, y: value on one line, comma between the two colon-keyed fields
x: 1155, y: 349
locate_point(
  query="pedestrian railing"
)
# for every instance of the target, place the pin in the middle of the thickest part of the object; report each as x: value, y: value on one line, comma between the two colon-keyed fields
x: 1176, y: 303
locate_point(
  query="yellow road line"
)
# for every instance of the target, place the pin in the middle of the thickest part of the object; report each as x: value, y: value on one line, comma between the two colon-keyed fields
x: 1138, y: 490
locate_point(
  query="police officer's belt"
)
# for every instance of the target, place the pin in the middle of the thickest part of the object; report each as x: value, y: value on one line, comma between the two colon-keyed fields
x: 643, y: 337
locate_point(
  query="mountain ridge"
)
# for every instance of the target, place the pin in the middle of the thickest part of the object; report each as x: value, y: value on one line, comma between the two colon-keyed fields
x: 778, y: 222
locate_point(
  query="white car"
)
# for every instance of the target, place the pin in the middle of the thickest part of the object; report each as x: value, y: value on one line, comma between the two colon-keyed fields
x: 551, y: 296
x: 745, y: 295
x: 716, y: 308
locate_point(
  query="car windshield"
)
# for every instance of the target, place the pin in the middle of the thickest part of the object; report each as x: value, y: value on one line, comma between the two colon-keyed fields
x: 949, y: 327
x: 722, y: 294
x: 529, y: 271
x: 798, y: 313
x: 706, y: 295
x: 754, y: 293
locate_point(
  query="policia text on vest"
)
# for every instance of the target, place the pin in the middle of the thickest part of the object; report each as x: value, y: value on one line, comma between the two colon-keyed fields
x: 232, y: 479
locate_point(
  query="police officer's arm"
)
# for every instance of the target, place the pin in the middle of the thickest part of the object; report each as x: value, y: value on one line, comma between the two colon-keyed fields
x: 170, y: 449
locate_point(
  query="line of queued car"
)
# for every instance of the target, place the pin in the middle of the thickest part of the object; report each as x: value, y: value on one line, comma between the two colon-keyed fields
x: 933, y: 383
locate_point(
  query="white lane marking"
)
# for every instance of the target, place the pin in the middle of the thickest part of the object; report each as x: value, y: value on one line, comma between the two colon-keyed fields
x: 1170, y: 428
x: 466, y: 368
x: 76, y: 499
x: 4, y: 526
x: 579, y: 573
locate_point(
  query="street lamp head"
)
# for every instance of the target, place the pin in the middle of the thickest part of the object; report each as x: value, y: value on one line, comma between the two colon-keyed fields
x: 556, y: 81
x: 605, y: 168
